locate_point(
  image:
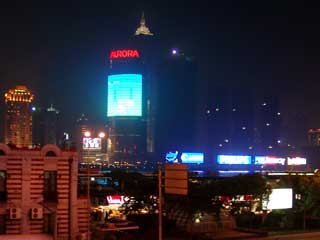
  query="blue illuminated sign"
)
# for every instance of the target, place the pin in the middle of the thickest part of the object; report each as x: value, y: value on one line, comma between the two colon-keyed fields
x: 269, y: 160
x: 187, y: 157
x: 124, y: 95
x: 233, y: 159
x: 172, y: 157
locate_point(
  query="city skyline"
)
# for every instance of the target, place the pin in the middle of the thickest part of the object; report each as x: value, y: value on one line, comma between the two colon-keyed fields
x: 61, y: 56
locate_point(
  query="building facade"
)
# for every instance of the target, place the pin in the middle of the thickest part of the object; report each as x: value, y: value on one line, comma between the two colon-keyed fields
x: 18, y: 117
x: 46, y: 128
x: 38, y: 193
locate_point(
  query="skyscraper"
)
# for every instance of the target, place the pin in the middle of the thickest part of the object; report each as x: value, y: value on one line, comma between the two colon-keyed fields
x: 18, y: 117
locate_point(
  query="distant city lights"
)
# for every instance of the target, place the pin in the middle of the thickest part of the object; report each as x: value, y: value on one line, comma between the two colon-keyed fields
x: 174, y: 51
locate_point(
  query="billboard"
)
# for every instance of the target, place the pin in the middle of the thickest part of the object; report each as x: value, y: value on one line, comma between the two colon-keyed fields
x: 269, y: 160
x: 124, y: 95
x: 188, y: 157
x: 233, y: 159
x: 280, y: 198
x: 91, y: 143
x: 172, y: 157
x: 297, y: 161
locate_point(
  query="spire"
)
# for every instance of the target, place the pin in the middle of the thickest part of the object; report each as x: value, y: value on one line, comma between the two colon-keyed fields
x: 143, y: 29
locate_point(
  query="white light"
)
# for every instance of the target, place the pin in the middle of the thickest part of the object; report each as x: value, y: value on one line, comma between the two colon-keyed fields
x: 270, y: 146
x: 197, y: 220
x: 92, y: 179
x: 264, y: 104
x: 278, y: 113
x: 279, y: 199
x: 208, y: 111
x: 233, y: 110
x: 220, y: 145
x: 267, y: 124
x: 87, y: 134
x: 226, y: 140
x: 279, y: 141
x: 244, y: 128
x: 250, y: 147
x: 217, y: 109
x: 102, y: 135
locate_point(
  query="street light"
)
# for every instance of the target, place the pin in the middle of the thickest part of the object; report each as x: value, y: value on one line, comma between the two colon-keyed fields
x: 88, y: 134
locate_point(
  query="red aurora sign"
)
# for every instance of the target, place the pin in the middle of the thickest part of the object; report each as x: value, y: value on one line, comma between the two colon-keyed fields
x: 124, y: 54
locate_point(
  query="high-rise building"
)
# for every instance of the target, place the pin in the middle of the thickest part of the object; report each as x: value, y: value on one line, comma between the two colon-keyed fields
x: 314, y: 137
x: 18, y: 117
x: 45, y: 126
x: 176, y: 102
x: 91, y: 142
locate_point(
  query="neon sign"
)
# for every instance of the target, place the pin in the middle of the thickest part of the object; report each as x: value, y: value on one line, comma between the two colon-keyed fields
x: 172, y: 157
x: 265, y: 160
x: 233, y: 159
x: 124, y: 54
x: 297, y: 161
x: 117, y: 199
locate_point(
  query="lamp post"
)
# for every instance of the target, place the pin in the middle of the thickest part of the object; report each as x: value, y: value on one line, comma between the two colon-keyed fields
x: 87, y: 134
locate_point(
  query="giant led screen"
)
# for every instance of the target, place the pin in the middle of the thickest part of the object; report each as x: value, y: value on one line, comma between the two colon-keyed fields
x: 124, y: 95
x: 233, y: 159
x: 188, y: 157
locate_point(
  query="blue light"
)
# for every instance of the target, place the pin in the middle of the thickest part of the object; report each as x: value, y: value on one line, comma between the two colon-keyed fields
x: 33, y: 109
x: 174, y: 51
x: 172, y: 157
x: 125, y: 95
x: 233, y: 159
x: 187, y: 157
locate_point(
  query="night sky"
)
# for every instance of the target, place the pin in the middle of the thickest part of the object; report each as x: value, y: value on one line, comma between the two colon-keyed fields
x: 59, y: 51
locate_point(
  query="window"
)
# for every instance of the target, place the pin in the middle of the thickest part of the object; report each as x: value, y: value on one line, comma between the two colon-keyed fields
x: 51, y: 154
x: 3, y: 186
x: 50, y: 186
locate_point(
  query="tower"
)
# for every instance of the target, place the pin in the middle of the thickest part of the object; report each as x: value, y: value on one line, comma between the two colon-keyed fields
x: 18, y: 117
x: 143, y: 29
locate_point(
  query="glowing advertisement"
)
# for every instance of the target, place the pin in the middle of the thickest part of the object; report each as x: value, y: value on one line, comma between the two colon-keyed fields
x: 117, y: 199
x: 233, y: 159
x: 124, y: 95
x: 172, y: 157
x: 269, y: 160
x: 297, y: 161
x: 124, y: 53
x: 187, y: 157
x: 91, y: 143
x: 280, y: 198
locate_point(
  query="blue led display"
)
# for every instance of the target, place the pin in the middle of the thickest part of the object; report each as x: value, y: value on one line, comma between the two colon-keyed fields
x: 233, y: 159
x: 187, y: 157
x: 172, y: 157
x: 124, y: 95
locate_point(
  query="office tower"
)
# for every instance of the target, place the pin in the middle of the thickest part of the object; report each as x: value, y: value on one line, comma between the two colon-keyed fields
x: 45, y: 126
x: 18, y: 117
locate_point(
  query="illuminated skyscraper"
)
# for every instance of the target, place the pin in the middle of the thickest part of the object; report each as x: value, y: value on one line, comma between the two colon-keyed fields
x: 18, y: 117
